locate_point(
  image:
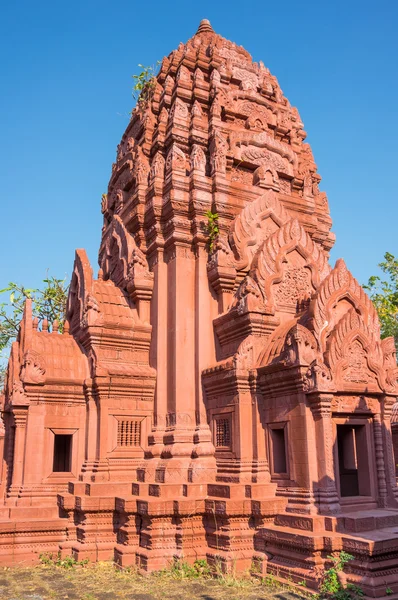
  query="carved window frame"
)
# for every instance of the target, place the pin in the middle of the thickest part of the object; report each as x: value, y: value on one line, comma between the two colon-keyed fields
x: 114, y: 448
x: 226, y: 451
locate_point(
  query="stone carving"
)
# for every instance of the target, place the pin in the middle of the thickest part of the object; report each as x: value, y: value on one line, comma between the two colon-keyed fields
x: 183, y: 74
x: 269, y: 265
x: 264, y: 359
x: 141, y: 168
x: 353, y: 352
x: 300, y: 347
x: 255, y: 223
x: 338, y: 286
x: 91, y: 311
x: 179, y: 110
x: 198, y: 159
x: 218, y: 153
x: 318, y: 378
x: 175, y: 160
x: 120, y: 257
x: 294, y: 287
x: 33, y: 368
x: 198, y: 75
x: 157, y: 167
x: 196, y: 110
x: 390, y: 367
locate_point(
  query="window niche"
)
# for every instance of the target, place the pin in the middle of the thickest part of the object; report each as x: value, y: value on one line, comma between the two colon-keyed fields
x: 222, y: 433
x: 62, y: 459
x: 278, y: 441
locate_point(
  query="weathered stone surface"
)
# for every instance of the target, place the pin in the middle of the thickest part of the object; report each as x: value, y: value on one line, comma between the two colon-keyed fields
x: 225, y: 398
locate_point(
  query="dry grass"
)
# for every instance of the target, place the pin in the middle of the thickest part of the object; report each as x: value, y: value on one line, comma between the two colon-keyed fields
x: 102, y: 581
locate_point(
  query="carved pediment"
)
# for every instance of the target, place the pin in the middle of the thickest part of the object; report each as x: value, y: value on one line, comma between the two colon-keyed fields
x: 288, y: 267
x: 353, y: 353
x: 338, y: 293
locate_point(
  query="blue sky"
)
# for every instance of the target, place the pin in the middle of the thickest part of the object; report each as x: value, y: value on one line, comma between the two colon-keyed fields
x: 66, y: 84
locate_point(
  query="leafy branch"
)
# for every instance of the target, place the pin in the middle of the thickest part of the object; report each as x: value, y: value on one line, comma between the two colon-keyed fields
x: 144, y: 84
x: 384, y: 294
x: 48, y: 303
x: 212, y: 228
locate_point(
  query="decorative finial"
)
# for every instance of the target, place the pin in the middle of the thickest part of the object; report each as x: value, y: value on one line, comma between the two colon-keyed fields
x: 204, y: 26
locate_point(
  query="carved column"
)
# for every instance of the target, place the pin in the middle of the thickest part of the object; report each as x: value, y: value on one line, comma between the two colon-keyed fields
x: 3, y: 464
x: 204, y: 465
x: 327, y: 490
x: 388, y: 450
x: 20, y: 418
x: 158, y: 352
x: 381, y: 474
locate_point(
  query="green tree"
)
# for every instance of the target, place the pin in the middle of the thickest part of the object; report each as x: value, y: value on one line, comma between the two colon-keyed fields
x: 384, y: 294
x: 47, y: 303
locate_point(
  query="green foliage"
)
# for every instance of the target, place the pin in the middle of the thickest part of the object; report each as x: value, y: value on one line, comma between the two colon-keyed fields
x: 51, y: 560
x: 389, y: 591
x: 212, y: 228
x: 180, y: 569
x: 384, y: 294
x: 331, y: 586
x: 48, y: 303
x: 144, y: 84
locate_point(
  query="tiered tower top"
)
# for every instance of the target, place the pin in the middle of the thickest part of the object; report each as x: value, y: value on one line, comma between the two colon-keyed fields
x: 212, y: 131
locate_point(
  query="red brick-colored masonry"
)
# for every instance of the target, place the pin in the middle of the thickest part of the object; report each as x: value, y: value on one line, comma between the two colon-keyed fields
x: 227, y: 399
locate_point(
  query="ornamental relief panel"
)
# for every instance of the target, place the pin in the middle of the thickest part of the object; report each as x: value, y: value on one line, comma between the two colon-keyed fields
x: 355, y: 404
x: 295, y: 287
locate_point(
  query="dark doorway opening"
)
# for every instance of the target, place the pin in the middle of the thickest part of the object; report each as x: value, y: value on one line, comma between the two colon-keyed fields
x: 353, y: 460
x: 62, y: 453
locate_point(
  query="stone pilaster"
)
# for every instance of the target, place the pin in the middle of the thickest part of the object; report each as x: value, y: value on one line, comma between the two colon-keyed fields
x: 327, y: 491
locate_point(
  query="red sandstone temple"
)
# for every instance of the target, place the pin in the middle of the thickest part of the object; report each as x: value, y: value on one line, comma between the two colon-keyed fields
x: 215, y: 395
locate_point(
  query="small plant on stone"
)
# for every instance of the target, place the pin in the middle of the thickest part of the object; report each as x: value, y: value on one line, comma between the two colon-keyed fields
x: 331, y: 585
x: 212, y: 228
x: 144, y: 84
x: 389, y: 591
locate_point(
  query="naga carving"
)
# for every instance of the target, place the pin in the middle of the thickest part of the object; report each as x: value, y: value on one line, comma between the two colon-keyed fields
x: 257, y: 221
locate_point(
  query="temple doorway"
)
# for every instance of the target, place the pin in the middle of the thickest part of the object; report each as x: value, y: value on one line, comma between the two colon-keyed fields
x: 353, y: 463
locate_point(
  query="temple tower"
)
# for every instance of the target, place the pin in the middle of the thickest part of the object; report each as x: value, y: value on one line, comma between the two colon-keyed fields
x: 219, y: 390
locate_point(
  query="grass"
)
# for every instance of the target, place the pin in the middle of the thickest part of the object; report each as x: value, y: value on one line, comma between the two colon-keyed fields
x: 103, y: 581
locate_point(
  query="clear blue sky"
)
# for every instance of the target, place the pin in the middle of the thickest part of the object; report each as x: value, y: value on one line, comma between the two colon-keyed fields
x: 66, y: 84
